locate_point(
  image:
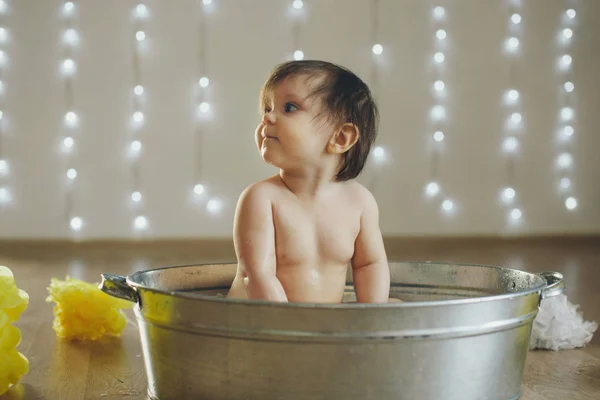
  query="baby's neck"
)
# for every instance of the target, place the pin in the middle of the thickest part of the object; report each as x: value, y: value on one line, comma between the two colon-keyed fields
x: 308, y: 185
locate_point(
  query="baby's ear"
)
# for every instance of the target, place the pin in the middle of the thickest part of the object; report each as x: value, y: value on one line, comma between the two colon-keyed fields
x: 343, y: 139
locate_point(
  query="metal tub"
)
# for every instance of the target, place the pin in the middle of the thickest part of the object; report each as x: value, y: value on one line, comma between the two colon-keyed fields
x: 461, y: 333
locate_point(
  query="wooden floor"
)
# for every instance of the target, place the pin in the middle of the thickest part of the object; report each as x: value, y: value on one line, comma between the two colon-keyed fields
x: 113, y: 369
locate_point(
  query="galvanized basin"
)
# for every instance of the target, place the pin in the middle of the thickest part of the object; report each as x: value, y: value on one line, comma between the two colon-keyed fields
x: 461, y: 333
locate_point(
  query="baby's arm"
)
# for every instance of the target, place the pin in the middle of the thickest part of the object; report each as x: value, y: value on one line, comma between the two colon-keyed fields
x: 369, y: 264
x: 254, y: 240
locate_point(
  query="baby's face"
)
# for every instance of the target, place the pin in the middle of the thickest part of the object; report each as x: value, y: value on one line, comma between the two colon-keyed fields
x: 291, y: 133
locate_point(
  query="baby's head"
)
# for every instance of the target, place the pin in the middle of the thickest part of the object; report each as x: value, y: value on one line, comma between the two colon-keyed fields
x: 339, y: 100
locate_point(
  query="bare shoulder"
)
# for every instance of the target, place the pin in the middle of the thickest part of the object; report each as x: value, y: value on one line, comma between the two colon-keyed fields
x: 264, y: 190
x: 362, y: 197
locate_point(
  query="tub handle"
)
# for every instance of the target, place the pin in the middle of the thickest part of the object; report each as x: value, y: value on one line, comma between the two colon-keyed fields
x: 116, y: 286
x: 555, y: 284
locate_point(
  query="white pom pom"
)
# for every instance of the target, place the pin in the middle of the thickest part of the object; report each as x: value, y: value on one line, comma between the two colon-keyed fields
x: 558, y: 326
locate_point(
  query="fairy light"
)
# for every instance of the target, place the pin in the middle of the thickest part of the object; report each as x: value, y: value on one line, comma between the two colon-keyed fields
x: 438, y: 113
x: 138, y: 117
x: 297, y: 4
x: 68, y: 70
x: 199, y: 190
x: 5, y: 191
x: 377, y: 49
x: 512, y: 96
x: 298, y: 55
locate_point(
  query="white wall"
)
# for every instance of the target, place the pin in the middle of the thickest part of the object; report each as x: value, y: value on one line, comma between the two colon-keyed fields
x: 246, y: 39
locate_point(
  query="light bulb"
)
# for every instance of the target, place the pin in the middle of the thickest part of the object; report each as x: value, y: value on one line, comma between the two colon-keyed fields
x: 570, y: 13
x: 68, y: 7
x: 213, y: 206
x: 76, y: 223
x: 3, y: 167
x: 566, y: 60
x: 565, y: 183
x: 71, y: 118
x: 199, y: 189
x: 298, y: 55
x: 140, y: 222
x: 438, y: 112
x: 566, y: 113
x: 515, y: 118
x: 513, y: 43
x: 206, y: 2
x: 516, y: 19
x: 568, y: 131
x: 138, y: 116
x: 136, y: 145
x: 141, y: 10
x: 379, y: 153
x: 204, y: 107
x: 438, y: 136
x: 439, y: 57
x: 441, y: 34
x: 140, y: 35
x: 447, y: 205
x: 509, y: 193
x: 138, y: 90
x: 439, y: 12
x: 565, y: 160
x: 571, y: 203
x: 297, y: 4
x: 569, y: 86
x: 136, y: 197
x: 439, y: 86
x: 68, y: 66
x: 4, y: 195
x: 567, y: 33
x: 68, y: 142
x: 377, y: 49
x: 71, y: 37
x: 71, y: 173
x: 203, y: 82
x: 510, y: 144
x: 516, y: 214
x: 512, y: 95
x: 432, y: 189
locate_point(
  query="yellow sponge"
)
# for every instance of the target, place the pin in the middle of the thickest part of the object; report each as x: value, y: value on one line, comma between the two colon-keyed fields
x: 84, y: 312
x: 13, y: 301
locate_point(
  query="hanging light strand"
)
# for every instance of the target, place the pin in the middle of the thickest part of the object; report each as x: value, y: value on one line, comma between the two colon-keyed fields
x: 438, y: 114
x: 5, y: 192
x: 566, y: 117
x: 70, y: 131
x: 138, y: 117
x: 514, y: 116
x: 297, y: 12
x: 378, y: 153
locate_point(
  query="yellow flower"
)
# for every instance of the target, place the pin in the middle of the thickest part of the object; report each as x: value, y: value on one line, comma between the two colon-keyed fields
x: 84, y: 312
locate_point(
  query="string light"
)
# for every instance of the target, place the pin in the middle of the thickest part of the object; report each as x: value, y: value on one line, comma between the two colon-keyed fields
x: 432, y: 189
x: 298, y: 55
x: 68, y: 67
x: 438, y: 136
x: 510, y: 144
x: 203, y: 82
x: 297, y: 4
x: 138, y: 117
x: 377, y: 49
x: 199, y: 189
x: 439, y: 57
x: 439, y: 86
x: 214, y: 206
x: 564, y: 160
x: 439, y: 12
x: 441, y: 34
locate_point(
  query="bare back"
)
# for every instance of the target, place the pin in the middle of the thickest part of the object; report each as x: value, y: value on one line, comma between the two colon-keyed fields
x: 314, y: 241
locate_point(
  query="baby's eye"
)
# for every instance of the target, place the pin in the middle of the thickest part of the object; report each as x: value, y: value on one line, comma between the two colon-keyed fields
x: 290, y: 107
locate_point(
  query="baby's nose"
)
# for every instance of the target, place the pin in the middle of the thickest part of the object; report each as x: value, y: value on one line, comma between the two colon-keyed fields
x: 268, y: 118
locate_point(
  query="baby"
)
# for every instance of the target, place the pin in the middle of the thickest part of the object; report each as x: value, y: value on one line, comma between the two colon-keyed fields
x: 297, y: 232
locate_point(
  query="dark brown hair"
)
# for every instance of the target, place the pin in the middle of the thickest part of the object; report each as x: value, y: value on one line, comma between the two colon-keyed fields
x: 346, y: 99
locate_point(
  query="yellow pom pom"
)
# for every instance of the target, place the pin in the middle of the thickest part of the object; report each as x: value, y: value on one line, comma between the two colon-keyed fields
x: 10, y: 337
x: 84, y: 312
x: 13, y: 301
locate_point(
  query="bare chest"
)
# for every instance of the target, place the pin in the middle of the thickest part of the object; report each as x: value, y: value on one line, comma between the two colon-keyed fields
x: 317, y: 234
